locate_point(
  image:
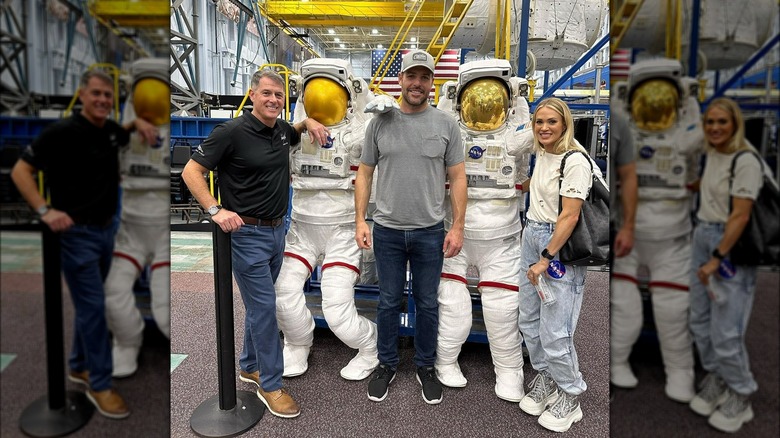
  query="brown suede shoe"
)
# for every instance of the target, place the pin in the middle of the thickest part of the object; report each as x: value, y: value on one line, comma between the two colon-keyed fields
x: 81, y: 377
x: 279, y: 403
x: 250, y: 377
x: 109, y: 403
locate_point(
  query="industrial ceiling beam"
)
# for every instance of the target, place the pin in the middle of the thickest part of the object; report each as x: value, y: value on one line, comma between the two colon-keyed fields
x: 144, y: 13
x: 352, y: 13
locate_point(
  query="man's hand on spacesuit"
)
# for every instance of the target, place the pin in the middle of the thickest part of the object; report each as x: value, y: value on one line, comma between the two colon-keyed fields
x: 146, y: 130
x: 317, y: 131
x: 381, y: 104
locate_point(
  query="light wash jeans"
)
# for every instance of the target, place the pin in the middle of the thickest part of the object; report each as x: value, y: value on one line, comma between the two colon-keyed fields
x: 548, y: 329
x: 719, y: 326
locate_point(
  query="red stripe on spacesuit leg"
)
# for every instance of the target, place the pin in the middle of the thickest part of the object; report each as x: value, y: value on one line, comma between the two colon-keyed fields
x: 668, y: 285
x: 342, y: 264
x: 454, y: 277
x: 130, y: 259
x: 496, y: 284
x: 159, y: 265
x: 302, y: 260
x: 619, y: 276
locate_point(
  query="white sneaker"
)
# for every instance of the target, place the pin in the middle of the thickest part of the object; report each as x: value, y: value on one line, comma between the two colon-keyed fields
x: 679, y: 385
x: 711, y: 394
x: 361, y: 366
x: 125, y: 360
x: 620, y: 375
x: 509, y: 385
x: 296, y: 360
x: 732, y: 414
x: 562, y: 414
x: 544, y: 392
x: 451, y: 375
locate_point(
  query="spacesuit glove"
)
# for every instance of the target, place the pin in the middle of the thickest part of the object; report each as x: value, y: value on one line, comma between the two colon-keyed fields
x: 381, y: 104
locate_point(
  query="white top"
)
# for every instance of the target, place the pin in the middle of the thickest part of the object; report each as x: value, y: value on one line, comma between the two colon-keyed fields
x: 714, y: 188
x: 577, y: 179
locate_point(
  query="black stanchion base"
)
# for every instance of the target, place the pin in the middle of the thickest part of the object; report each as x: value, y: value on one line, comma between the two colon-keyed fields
x: 39, y: 420
x: 209, y: 420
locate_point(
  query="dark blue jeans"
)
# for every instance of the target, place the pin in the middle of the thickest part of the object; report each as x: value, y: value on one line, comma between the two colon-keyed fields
x: 257, y: 253
x: 422, y: 249
x: 86, y: 252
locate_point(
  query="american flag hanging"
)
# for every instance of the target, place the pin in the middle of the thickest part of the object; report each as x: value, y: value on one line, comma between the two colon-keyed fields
x: 446, y: 69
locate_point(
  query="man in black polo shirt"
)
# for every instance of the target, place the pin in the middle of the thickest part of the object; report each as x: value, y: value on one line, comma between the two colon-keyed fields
x: 80, y: 158
x: 252, y: 155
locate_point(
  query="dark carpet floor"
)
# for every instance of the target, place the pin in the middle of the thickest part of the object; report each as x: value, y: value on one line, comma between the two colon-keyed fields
x: 334, y: 407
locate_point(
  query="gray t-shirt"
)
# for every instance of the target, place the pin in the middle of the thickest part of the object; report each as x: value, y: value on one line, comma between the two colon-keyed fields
x: 621, y: 151
x: 411, y: 153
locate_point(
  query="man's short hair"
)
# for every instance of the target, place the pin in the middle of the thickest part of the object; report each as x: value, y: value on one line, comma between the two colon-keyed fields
x: 95, y: 73
x: 267, y: 73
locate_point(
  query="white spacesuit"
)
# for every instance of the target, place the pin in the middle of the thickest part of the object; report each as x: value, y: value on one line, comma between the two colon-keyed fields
x: 323, y: 220
x: 665, y: 123
x: 487, y: 104
x: 143, y: 238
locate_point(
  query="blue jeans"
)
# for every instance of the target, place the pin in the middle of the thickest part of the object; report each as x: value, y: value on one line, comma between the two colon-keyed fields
x: 719, y: 326
x: 422, y: 249
x: 86, y: 252
x: 548, y: 329
x: 257, y: 258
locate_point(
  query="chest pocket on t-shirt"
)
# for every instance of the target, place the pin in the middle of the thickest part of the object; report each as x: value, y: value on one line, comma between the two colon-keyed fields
x: 432, y: 146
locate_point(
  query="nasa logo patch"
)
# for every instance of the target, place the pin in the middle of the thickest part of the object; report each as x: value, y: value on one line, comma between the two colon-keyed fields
x: 476, y: 152
x: 646, y: 152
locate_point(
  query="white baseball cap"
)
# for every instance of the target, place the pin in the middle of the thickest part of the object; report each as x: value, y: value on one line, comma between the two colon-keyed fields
x: 417, y: 58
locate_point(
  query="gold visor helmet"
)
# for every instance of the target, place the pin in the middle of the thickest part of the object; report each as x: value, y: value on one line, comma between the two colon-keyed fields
x: 484, y: 104
x: 654, y: 104
x: 152, y: 101
x: 325, y: 100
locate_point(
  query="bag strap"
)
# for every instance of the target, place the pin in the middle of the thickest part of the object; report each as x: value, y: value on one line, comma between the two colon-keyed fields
x: 734, y: 165
x: 560, y: 177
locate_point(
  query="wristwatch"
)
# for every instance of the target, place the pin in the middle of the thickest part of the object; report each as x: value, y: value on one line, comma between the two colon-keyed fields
x: 717, y: 254
x: 43, y: 209
x: 214, y: 209
x: 546, y: 254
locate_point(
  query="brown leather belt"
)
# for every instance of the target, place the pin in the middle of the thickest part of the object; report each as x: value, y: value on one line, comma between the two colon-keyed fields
x: 262, y: 222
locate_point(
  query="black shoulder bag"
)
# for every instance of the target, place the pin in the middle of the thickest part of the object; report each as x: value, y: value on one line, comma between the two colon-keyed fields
x: 588, y: 244
x: 759, y: 243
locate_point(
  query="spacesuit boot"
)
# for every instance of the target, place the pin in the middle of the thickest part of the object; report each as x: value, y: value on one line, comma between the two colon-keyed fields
x: 127, y: 330
x: 500, y: 310
x: 454, y: 327
x: 625, y: 326
x: 338, y: 307
x: 293, y: 317
x: 670, y: 309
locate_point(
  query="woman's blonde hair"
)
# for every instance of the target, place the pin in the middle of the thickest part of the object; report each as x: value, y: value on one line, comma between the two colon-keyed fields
x: 737, y: 140
x: 566, y: 142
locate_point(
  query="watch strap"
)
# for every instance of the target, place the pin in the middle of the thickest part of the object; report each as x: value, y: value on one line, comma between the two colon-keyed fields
x: 717, y: 254
x: 546, y: 254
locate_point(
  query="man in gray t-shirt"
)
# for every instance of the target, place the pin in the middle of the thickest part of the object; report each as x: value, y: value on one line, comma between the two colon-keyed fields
x: 622, y: 168
x: 417, y: 149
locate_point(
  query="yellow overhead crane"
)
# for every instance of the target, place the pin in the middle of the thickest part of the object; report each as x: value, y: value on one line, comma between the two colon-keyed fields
x: 352, y: 13
x: 622, y: 13
x: 139, y: 13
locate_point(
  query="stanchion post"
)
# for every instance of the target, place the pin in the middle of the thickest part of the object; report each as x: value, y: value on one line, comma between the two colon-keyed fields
x: 60, y: 412
x: 230, y: 412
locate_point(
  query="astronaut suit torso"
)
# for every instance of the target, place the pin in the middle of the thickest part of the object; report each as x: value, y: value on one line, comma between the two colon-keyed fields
x: 143, y: 238
x: 668, y: 137
x: 495, y: 166
x: 322, y: 230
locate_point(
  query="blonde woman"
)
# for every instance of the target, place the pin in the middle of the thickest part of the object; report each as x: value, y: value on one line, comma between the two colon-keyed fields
x: 721, y: 294
x: 548, y: 323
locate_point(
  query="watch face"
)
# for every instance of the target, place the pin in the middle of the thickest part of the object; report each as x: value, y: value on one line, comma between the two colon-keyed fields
x: 213, y: 210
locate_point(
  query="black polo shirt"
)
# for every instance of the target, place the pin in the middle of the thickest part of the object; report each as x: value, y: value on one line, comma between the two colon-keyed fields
x: 253, y: 165
x: 80, y: 162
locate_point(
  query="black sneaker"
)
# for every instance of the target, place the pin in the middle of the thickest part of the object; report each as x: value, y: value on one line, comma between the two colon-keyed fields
x: 381, y: 378
x: 431, y: 387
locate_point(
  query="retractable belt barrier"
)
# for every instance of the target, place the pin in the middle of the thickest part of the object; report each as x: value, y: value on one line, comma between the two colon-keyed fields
x: 230, y: 412
x: 59, y: 412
